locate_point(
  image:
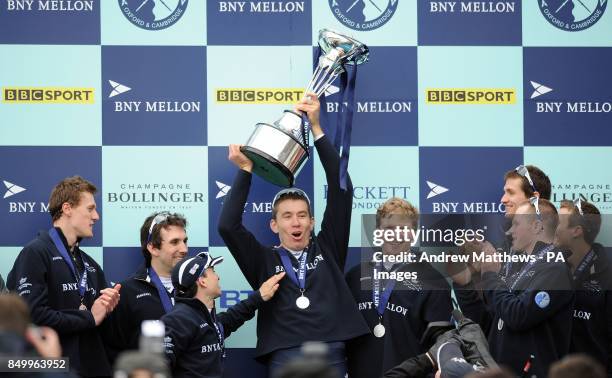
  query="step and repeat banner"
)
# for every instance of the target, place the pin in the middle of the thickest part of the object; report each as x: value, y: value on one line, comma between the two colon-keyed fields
x: 142, y: 97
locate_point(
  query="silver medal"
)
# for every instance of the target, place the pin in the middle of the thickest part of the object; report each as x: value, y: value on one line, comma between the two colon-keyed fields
x: 302, y: 302
x: 379, y: 330
x: 82, y: 307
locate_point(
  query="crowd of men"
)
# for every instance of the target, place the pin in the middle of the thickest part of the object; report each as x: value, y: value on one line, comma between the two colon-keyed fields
x: 532, y: 313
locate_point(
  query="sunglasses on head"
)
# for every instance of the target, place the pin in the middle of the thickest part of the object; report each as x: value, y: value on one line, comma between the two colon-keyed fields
x: 159, y: 218
x: 287, y: 191
x: 523, y: 171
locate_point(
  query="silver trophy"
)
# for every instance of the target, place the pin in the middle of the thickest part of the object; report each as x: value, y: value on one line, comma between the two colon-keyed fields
x: 280, y: 149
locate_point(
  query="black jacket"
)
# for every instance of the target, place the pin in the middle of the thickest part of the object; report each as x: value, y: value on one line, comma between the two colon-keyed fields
x: 139, y: 301
x: 412, y: 306
x: 332, y: 314
x: 592, y: 326
x: 192, y: 345
x: 44, y: 280
x: 521, y: 323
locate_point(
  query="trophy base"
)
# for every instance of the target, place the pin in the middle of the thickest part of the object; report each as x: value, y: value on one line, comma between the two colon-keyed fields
x: 268, y: 168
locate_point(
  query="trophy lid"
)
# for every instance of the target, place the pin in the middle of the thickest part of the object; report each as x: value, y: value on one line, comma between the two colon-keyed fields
x: 353, y: 51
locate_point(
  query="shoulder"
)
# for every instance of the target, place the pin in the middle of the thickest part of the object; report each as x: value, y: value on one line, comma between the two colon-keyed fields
x: 39, y: 247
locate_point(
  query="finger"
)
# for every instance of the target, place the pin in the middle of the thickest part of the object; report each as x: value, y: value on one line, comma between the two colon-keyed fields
x: 110, y: 292
x: 32, y: 336
x: 105, y: 297
x: 312, y: 95
x: 277, y: 277
x: 274, y: 288
x: 117, y: 288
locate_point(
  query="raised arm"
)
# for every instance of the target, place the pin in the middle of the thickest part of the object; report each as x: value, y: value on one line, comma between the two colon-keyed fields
x: 336, y: 223
x: 241, y: 242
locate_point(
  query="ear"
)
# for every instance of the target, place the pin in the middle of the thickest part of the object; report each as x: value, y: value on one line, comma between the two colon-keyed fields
x: 536, y: 194
x: 538, y: 226
x: 577, y: 232
x: 312, y: 223
x: 201, y: 282
x: 67, y: 209
x: 274, y: 226
x: 152, y: 250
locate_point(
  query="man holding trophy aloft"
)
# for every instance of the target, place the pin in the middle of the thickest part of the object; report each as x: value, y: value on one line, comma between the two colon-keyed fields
x: 315, y: 303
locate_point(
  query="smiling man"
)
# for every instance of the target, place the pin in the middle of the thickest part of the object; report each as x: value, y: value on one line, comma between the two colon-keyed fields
x: 148, y: 293
x: 195, y: 332
x: 314, y: 301
x: 527, y: 301
x: 396, y: 310
x: 64, y: 287
x: 522, y: 183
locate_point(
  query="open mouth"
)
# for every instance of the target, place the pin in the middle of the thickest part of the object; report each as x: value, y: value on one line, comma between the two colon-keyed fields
x: 297, y: 235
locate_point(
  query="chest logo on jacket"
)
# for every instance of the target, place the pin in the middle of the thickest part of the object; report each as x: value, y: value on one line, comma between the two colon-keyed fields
x: 211, y: 348
x: 309, y: 266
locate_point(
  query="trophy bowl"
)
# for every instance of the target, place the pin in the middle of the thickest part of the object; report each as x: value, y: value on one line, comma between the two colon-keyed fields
x: 280, y: 149
x: 277, y: 154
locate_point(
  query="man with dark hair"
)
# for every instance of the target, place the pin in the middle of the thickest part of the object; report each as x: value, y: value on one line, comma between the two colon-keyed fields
x: 149, y: 293
x: 195, y: 332
x: 396, y: 310
x: 579, y: 226
x: 528, y: 309
x: 522, y: 183
x: 315, y: 303
x: 64, y: 287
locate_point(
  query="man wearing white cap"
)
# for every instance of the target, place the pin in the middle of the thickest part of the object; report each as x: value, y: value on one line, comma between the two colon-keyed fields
x: 195, y: 333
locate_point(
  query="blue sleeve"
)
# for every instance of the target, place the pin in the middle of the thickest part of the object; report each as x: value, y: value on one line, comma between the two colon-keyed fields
x: 178, y: 338
x: 238, y: 314
x: 523, y: 310
x: 29, y: 280
x: 336, y: 223
x: 241, y: 242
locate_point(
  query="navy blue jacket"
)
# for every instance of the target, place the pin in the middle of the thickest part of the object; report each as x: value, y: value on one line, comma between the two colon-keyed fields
x: 139, y: 301
x: 192, y: 345
x: 535, y: 318
x: 332, y: 314
x: 412, y: 305
x: 592, y: 327
x: 44, y: 280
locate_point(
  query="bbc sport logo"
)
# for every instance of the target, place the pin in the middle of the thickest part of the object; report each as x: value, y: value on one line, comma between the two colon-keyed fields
x: 363, y: 15
x: 153, y: 14
x: 572, y: 15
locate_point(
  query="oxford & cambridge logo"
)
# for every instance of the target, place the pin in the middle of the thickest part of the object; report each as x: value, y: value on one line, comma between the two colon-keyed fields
x: 153, y: 14
x: 572, y: 15
x: 363, y: 15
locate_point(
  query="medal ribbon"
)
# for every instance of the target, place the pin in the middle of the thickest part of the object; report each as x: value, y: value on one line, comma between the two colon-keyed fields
x: 82, y: 281
x: 161, y: 290
x: 530, y: 265
x: 380, y: 302
x: 299, y: 277
x: 585, y: 264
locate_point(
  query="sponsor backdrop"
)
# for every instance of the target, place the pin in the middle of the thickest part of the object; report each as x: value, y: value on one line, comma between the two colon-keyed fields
x: 142, y: 98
